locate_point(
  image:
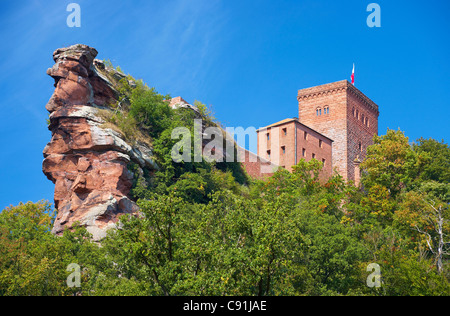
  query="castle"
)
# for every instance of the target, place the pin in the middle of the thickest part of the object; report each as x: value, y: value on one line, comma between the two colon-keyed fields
x: 336, y: 123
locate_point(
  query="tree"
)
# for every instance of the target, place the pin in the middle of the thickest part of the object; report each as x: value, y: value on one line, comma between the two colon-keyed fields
x: 437, y: 155
x: 430, y: 218
x: 390, y: 162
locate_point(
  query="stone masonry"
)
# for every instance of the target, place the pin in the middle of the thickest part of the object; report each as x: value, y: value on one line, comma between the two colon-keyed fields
x: 341, y: 112
x: 336, y: 123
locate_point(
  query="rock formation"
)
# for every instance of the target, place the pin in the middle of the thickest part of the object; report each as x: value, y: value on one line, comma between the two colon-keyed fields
x: 87, y: 162
x: 87, y: 158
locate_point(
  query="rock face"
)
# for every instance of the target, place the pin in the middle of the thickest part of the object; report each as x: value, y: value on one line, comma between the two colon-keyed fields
x: 87, y: 163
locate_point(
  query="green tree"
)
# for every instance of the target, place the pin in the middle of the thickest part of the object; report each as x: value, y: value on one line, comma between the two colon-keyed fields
x: 437, y: 155
x: 149, y: 109
x: 390, y: 162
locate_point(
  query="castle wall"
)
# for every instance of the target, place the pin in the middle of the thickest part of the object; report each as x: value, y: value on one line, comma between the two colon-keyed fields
x: 315, y: 146
x: 362, y: 126
x: 333, y: 124
x: 288, y: 143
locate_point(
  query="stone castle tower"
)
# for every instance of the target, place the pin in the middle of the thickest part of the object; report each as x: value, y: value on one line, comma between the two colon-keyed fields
x: 341, y: 112
x: 336, y: 123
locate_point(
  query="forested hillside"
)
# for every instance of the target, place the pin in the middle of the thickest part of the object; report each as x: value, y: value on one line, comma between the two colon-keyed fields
x: 206, y: 228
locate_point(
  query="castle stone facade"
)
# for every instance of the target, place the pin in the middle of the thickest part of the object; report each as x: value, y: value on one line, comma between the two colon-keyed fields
x: 336, y: 123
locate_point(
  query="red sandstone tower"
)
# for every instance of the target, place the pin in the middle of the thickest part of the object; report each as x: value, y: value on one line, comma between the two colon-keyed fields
x: 344, y: 114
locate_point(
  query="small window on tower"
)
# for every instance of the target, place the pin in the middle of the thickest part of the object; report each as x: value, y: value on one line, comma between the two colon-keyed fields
x: 283, y: 149
x: 284, y: 131
x: 314, y: 156
x: 305, y: 135
x: 320, y: 143
x: 326, y: 110
x: 323, y: 162
x: 360, y: 146
x: 304, y: 152
x: 268, y: 154
x: 268, y: 136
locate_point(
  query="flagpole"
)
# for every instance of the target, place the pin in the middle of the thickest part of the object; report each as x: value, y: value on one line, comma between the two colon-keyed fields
x: 353, y: 74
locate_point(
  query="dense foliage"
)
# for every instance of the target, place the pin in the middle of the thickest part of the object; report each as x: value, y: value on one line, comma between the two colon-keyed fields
x: 207, y: 229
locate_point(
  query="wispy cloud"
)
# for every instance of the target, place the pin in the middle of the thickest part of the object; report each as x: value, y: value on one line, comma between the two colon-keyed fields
x: 177, y: 42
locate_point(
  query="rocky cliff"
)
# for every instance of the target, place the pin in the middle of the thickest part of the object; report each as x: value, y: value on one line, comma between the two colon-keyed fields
x: 87, y: 161
x: 89, y: 158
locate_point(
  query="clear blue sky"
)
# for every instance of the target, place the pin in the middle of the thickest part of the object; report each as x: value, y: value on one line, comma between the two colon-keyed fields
x: 246, y: 58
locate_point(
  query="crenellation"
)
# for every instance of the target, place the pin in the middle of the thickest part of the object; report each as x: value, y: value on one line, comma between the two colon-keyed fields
x: 339, y: 112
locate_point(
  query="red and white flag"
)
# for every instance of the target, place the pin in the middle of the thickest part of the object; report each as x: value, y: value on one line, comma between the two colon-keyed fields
x: 353, y: 75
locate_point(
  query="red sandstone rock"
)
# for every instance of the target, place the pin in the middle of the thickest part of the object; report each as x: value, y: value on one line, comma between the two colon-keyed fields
x: 87, y: 163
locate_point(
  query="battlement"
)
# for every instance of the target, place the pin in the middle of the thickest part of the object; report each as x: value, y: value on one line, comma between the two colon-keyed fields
x: 337, y: 87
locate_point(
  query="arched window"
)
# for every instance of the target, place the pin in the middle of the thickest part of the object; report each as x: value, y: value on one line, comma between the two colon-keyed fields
x: 354, y: 112
x: 326, y: 109
x: 318, y: 111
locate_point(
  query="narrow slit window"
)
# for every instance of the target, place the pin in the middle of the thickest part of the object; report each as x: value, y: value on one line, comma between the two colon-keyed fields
x: 283, y: 149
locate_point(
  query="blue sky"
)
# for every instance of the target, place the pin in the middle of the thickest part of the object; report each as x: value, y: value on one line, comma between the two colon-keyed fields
x: 245, y: 58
